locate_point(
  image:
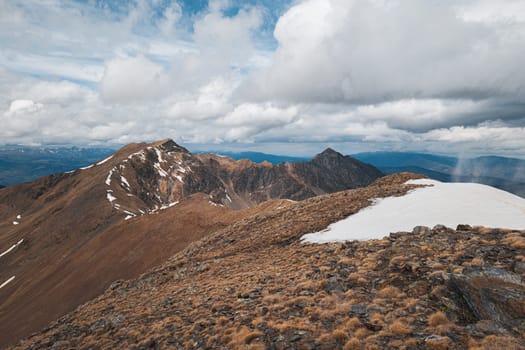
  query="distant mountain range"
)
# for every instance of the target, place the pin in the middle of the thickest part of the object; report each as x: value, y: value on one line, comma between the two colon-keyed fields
x: 21, y: 164
x: 500, y: 172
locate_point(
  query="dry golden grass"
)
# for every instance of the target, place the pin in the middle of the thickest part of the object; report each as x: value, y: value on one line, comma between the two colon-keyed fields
x: 362, y: 333
x: 437, y: 319
x: 442, y: 343
x: 353, y: 323
x: 515, y: 240
x: 353, y: 344
x: 399, y: 327
x: 389, y: 292
x: 243, y: 336
x: 494, y: 342
x: 340, y: 335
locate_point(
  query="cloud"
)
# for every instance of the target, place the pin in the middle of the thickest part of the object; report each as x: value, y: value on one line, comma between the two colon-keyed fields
x: 133, y: 79
x: 23, y: 106
x: 263, y: 118
x: 334, y: 51
x: 354, y: 75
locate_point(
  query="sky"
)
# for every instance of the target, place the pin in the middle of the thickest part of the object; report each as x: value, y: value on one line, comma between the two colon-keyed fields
x: 286, y: 76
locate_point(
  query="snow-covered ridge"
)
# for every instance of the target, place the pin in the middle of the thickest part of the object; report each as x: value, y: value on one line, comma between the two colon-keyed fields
x: 92, y: 165
x: 449, y: 204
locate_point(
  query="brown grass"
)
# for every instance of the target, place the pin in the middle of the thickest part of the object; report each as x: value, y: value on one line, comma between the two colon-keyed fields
x: 339, y: 335
x: 515, y: 240
x: 389, y: 292
x: 400, y: 328
x: 438, y: 344
x: 437, y: 319
x: 353, y: 344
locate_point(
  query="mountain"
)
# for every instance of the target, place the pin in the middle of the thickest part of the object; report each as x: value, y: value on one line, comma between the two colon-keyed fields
x: 505, y: 173
x: 21, y: 164
x: 65, y: 238
x: 255, y: 285
x: 259, y: 157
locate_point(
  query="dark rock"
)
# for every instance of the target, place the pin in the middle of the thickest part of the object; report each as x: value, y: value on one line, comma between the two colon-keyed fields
x: 519, y: 267
x: 358, y: 310
x: 296, y: 337
x: 462, y: 227
x: 488, y: 293
x: 420, y: 230
x: 396, y: 235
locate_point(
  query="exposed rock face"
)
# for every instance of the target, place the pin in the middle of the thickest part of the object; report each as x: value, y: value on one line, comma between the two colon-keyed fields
x: 165, y: 173
x: 489, y: 294
x: 254, y: 285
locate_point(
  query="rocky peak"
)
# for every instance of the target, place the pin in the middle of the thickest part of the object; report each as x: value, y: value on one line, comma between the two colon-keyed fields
x: 328, y: 158
x: 168, y: 145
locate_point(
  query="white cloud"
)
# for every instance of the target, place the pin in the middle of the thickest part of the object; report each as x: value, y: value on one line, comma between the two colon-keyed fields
x: 133, y: 79
x: 362, y: 52
x: 23, y: 106
x: 262, y: 118
x: 355, y: 75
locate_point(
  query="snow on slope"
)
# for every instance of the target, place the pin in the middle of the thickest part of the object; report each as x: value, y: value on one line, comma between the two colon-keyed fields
x: 12, y: 247
x: 449, y: 204
x: 7, y: 282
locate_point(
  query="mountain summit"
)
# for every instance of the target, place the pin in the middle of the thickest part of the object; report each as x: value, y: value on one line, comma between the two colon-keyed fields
x: 66, y: 237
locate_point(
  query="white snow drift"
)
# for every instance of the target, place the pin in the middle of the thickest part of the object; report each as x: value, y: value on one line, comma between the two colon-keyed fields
x: 449, y: 204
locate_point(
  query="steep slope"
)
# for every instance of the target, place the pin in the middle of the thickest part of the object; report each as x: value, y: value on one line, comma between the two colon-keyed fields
x: 67, y: 237
x: 254, y: 285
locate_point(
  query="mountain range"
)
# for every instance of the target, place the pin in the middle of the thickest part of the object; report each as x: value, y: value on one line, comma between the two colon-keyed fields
x: 66, y: 237
x: 500, y: 172
x: 20, y: 164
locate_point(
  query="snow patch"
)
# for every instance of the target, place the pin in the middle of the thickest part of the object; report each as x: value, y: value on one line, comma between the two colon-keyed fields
x: 169, y: 205
x: 110, y: 197
x: 108, y: 178
x: 129, y: 217
x: 6, y: 282
x: 87, y: 167
x: 159, y: 155
x: 15, y: 222
x: 12, y: 247
x: 19, y: 216
x: 124, y: 181
x: 449, y: 204
x: 161, y: 171
x: 104, y: 160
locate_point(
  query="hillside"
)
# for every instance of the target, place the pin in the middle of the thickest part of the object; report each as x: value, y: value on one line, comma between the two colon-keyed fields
x: 254, y: 285
x: 65, y: 238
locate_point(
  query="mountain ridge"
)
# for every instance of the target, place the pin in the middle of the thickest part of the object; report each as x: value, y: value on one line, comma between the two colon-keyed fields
x: 254, y: 285
x: 117, y: 215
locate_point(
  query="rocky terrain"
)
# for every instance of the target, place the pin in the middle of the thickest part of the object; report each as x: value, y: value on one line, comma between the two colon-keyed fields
x: 254, y: 285
x: 65, y: 238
